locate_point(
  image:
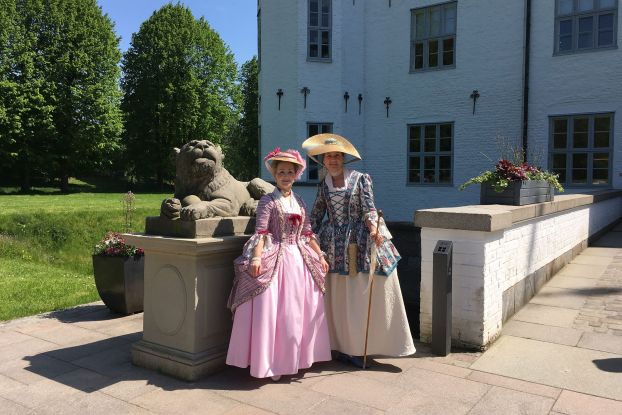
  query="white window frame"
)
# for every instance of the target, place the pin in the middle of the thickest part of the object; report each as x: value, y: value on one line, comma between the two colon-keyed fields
x: 421, y: 153
x: 320, y: 28
x: 312, y: 166
x: 575, y: 16
x: 446, y: 32
x: 590, y: 150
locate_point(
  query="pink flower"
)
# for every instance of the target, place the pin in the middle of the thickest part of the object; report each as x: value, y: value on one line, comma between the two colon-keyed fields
x: 273, y: 153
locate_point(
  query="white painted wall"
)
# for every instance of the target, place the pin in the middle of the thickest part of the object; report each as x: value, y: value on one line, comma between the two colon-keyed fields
x: 588, y: 82
x: 485, y: 264
x: 371, y: 52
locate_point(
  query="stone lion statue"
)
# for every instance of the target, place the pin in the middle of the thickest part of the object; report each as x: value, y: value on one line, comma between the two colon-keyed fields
x: 204, y: 188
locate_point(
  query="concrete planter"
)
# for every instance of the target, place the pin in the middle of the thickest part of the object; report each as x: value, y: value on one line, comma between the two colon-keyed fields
x: 518, y: 193
x: 119, y: 282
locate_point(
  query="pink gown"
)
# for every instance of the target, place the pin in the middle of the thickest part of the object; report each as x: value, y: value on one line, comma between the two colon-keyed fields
x: 279, y: 324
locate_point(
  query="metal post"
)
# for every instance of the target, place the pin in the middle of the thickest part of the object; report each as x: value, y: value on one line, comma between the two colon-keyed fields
x: 441, y: 298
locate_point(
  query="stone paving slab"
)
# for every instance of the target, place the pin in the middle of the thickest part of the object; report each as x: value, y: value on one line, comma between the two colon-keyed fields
x: 602, y: 342
x: 560, y: 366
x: 547, y: 315
x: 560, y: 297
x: 509, y: 402
x: 558, y: 335
x: 573, y: 403
x: 585, y: 270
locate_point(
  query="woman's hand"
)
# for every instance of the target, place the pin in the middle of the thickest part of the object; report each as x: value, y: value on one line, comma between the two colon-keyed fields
x: 376, y: 236
x: 255, y: 267
x: 324, y: 264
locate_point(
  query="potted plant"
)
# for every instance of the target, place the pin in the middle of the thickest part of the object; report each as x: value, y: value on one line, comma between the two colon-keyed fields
x: 515, y: 183
x: 118, y: 268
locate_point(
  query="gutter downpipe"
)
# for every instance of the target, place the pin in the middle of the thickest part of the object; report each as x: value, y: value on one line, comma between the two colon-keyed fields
x: 527, y: 40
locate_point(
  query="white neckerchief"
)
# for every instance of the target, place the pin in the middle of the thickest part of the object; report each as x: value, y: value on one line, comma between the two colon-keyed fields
x: 329, y: 181
x: 289, y: 204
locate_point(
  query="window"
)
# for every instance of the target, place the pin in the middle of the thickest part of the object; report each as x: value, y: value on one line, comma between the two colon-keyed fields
x: 430, y: 153
x: 585, y: 25
x: 580, y: 149
x: 433, y: 37
x: 319, y: 32
x: 313, y: 169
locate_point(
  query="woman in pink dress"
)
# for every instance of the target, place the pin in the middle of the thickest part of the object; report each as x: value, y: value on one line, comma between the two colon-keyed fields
x: 279, y: 325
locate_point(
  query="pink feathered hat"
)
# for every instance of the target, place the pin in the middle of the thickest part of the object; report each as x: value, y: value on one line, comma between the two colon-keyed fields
x: 290, y: 155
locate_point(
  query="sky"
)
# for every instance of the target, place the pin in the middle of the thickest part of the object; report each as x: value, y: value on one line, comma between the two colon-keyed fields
x: 234, y: 20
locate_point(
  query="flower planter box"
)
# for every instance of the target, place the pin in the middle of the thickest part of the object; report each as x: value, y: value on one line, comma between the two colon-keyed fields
x: 119, y: 282
x: 518, y: 193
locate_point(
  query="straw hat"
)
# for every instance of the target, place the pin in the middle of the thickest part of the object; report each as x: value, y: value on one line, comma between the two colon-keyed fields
x: 327, y: 143
x: 290, y: 155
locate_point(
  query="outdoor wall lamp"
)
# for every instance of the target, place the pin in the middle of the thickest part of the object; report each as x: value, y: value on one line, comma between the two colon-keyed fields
x: 360, y: 98
x: 346, y: 97
x: 474, y: 96
x: 305, y: 91
x: 387, y: 102
x: 279, y: 93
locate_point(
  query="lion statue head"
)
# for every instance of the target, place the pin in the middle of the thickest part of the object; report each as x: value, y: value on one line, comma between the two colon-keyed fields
x: 197, y: 164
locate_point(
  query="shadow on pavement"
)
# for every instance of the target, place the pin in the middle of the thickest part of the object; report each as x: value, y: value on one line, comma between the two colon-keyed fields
x: 609, y: 365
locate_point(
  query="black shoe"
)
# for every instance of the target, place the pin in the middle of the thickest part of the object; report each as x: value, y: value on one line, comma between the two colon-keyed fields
x: 352, y: 360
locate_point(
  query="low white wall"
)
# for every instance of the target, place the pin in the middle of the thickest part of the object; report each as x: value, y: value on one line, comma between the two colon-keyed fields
x: 488, y: 262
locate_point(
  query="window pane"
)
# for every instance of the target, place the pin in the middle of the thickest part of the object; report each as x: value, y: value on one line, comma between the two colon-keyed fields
x: 429, y: 162
x: 312, y: 169
x: 313, y: 19
x: 325, y: 6
x: 579, y: 176
x: 418, y: 55
x: 448, y: 51
x: 327, y: 128
x: 414, y: 163
x: 313, y: 51
x: 601, y: 161
x: 429, y: 145
x: 445, y: 130
x: 324, y: 37
x: 450, y: 19
x: 565, y: 7
x: 607, y: 3
x: 586, y: 28
x: 605, y: 38
x: 325, y: 21
x: 325, y: 51
x: 414, y: 176
x: 600, y: 176
x: 444, y: 176
x: 430, y: 131
x: 565, y: 35
x: 433, y: 53
x: 415, y: 139
x: 313, y: 36
x: 601, y: 131
x: 444, y: 162
x: 559, y: 161
x: 445, y: 144
x: 601, y: 139
x: 435, y: 21
x: 313, y: 5
x: 419, y: 25
x: 585, y: 5
x: 580, y: 136
x: 429, y: 176
x: 560, y: 133
x: 579, y: 161
x: 605, y: 30
x: 559, y: 166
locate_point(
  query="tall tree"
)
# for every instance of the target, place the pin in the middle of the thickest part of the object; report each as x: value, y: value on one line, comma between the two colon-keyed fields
x: 60, y: 88
x: 179, y: 85
x: 242, y: 147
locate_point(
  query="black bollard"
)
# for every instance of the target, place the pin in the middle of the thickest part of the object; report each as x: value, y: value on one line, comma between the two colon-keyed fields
x: 441, y: 298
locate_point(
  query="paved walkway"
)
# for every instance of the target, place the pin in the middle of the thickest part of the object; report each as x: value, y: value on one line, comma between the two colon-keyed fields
x: 561, y: 354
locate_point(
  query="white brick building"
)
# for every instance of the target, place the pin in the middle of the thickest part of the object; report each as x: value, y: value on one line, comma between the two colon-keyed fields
x: 386, y: 48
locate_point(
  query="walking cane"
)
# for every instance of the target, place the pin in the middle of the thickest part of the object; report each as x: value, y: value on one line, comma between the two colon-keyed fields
x: 372, y: 268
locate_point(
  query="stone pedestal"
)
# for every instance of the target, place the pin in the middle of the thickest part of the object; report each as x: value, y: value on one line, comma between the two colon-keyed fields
x: 186, y: 324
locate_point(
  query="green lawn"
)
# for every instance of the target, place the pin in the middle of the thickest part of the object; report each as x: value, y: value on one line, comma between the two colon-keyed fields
x: 46, y: 243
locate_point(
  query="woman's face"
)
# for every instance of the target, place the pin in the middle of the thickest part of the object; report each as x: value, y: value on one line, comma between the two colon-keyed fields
x: 285, y: 175
x: 334, y: 163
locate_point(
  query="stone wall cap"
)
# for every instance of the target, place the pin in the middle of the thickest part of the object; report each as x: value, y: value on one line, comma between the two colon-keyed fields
x: 490, y: 218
